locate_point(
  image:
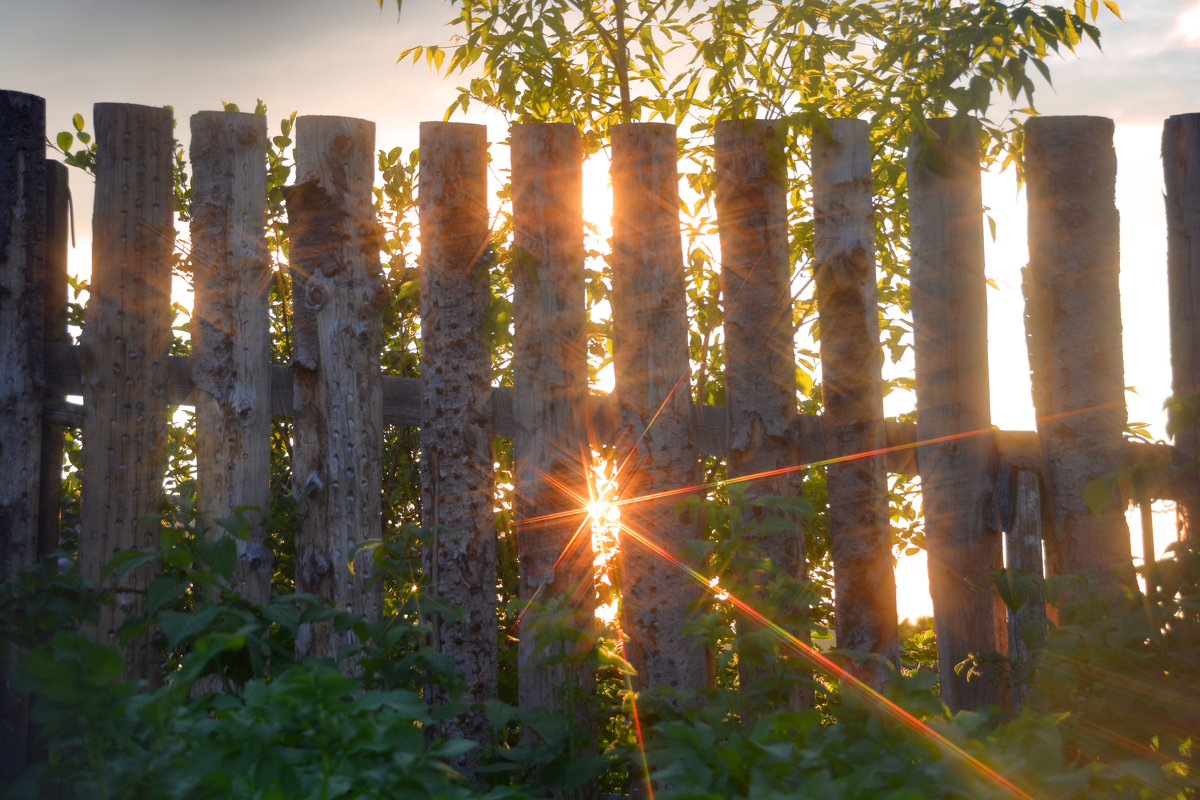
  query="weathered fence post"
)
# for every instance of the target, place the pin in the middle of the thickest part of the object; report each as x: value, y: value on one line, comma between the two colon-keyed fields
x: 54, y: 318
x: 1073, y: 328
x: 22, y: 278
x: 653, y: 388
x: 457, y: 472
x: 231, y: 361
x: 337, y: 299
x: 1023, y: 552
x: 1181, y: 169
x: 550, y: 392
x: 760, y: 371
x: 852, y: 391
x: 126, y: 340
x: 956, y: 455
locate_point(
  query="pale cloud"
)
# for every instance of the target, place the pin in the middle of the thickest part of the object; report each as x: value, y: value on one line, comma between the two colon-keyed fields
x: 1187, y: 27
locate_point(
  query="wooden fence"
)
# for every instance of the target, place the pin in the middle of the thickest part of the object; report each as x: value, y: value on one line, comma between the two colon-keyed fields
x: 977, y: 483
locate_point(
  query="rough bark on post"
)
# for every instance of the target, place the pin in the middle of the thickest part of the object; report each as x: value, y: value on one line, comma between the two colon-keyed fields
x: 126, y: 340
x: 1023, y: 553
x: 957, y: 455
x: 1073, y: 329
x: 852, y: 393
x: 1181, y: 169
x: 457, y: 474
x: 550, y: 392
x: 54, y: 318
x: 760, y: 371
x: 653, y: 388
x: 231, y: 361
x: 22, y: 278
x: 337, y: 298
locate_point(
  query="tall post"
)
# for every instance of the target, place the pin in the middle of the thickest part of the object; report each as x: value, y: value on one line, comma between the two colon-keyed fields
x: 457, y: 473
x: 22, y: 380
x: 760, y: 372
x: 653, y: 388
x: 1073, y: 329
x: 550, y: 392
x: 126, y: 340
x: 231, y: 363
x: 956, y: 456
x: 852, y: 391
x: 1181, y: 169
x: 337, y: 298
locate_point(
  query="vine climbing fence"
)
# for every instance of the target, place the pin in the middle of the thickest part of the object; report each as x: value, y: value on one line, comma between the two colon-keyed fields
x: 984, y: 490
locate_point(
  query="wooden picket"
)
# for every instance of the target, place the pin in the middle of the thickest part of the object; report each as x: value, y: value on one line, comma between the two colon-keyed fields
x: 760, y: 334
x: 653, y: 391
x: 457, y: 472
x: 1181, y: 168
x: 975, y: 480
x: 231, y: 364
x: 22, y: 273
x: 550, y: 444
x: 123, y: 358
x: 1073, y: 321
x: 852, y: 394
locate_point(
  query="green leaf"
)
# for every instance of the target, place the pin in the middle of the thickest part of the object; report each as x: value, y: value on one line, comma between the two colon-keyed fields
x: 126, y: 560
x: 64, y: 140
x: 178, y: 626
x: 220, y: 555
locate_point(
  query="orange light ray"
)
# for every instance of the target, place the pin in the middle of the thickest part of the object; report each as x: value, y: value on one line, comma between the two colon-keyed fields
x: 646, y: 430
x: 571, y: 544
x: 828, y: 666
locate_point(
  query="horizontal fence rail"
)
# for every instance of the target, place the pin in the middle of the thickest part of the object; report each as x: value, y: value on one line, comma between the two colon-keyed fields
x: 985, y: 491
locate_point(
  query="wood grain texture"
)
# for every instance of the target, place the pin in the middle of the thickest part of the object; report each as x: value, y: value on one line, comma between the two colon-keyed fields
x: 760, y: 371
x: 653, y: 437
x: 957, y: 457
x: 231, y: 362
x: 126, y: 338
x: 22, y: 282
x: 1073, y: 329
x: 1181, y: 170
x: 852, y: 395
x: 549, y: 402
x: 457, y: 473
x: 337, y: 300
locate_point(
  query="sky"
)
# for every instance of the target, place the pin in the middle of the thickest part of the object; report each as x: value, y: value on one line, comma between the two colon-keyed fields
x: 338, y: 57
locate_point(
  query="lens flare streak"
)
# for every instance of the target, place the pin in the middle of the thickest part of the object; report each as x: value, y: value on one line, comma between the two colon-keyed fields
x: 592, y: 510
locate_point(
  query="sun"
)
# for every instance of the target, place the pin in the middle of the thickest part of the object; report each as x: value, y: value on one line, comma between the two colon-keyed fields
x: 600, y: 510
